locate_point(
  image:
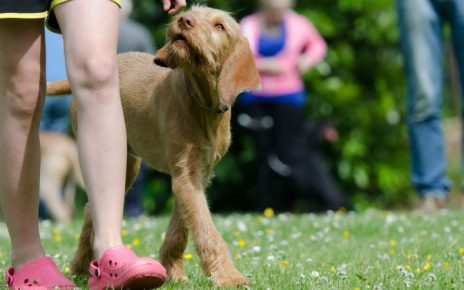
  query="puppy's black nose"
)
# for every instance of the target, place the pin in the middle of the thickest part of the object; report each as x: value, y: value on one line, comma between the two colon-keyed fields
x: 187, y: 21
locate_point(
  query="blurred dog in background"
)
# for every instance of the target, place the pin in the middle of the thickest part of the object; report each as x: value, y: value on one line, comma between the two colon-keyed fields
x: 59, y: 175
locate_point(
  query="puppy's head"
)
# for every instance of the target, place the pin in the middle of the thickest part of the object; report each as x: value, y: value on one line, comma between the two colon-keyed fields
x: 208, y: 41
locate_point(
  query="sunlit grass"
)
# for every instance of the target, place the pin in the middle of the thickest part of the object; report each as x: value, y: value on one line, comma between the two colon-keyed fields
x: 369, y: 250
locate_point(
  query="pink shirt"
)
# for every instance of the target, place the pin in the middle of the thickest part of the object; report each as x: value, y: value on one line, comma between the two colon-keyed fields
x: 301, y: 36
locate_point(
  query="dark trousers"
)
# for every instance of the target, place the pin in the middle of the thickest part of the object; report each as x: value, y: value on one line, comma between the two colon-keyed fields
x: 285, y: 140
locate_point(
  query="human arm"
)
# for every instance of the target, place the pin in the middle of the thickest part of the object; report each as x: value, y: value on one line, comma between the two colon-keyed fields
x: 314, y: 50
x: 173, y: 6
x: 269, y: 65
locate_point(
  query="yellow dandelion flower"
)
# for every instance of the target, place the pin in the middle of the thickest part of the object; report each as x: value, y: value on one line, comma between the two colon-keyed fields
x: 392, y: 243
x: 428, y: 258
x: 346, y: 234
x: 136, y: 242
x: 124, y: 232
x: 284, y: 263
x: 407, y: 267
x: 57, y: 238
x: 446, y: 265
x: 427, y: 266
x: 356, y: 288
x: 188, y: 256
x: 418, y: 270
x: 333, y: 269
x: 461, y: 251
x: 67, y: 270
x: 269, y: 212
x: 241, y: 243
x: 237, y: 233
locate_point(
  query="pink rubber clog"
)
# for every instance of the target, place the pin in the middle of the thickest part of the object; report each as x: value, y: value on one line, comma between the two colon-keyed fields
x: 39, y: 274
x: 120, y: 268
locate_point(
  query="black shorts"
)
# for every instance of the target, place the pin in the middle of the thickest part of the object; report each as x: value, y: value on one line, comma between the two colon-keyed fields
x: 34, y: 9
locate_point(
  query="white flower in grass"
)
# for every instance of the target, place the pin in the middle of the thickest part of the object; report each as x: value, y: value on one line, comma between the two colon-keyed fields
x: 256, y: 248
x: 383, y: 257
x: 242, y: 226
x: 295, y: 235
x: 314, y: 274
x: 390, y: 219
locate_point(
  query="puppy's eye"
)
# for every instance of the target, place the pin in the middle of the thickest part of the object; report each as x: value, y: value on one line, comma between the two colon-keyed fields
x: 219, y: 26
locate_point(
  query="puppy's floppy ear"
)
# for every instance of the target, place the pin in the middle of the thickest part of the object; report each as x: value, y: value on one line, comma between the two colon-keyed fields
x: 239, y: 74
x: 163, y: 57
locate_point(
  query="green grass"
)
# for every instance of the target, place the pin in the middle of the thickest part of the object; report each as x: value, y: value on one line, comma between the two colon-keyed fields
x: 368, y: 250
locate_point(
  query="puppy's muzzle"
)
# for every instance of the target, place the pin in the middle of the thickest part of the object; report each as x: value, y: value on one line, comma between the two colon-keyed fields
x: 187, y: 22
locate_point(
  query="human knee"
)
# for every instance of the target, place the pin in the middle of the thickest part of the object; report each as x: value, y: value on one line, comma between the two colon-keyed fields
x: 96, y: 73
x: 23, y: 95
x: 422, y: 108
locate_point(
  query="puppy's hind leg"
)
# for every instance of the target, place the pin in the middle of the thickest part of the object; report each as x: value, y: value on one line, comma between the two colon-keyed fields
x: 84, y: 254
x: 174, y: 246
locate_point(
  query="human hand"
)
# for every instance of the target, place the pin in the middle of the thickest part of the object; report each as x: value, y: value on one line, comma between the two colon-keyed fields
x: 173, y: 6
x: 270, y: 66
x: 330, y: 133
x: 302, y: 65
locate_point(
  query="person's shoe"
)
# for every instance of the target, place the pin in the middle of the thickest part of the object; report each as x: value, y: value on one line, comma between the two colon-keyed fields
x: 39, y: 274
x: 431, y: 204
x: 120, y: 268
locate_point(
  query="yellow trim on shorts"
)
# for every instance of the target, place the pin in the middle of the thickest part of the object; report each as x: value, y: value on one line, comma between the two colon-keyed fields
x: 36, y: 15
x: 58, y: 2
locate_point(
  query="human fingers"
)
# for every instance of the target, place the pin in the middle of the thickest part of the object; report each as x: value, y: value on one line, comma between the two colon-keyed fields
x: 176, y: 6
x: 173, y: 6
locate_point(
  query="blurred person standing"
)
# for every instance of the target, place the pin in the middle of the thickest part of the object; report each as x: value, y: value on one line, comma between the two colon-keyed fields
x: 285, y: 46
x: 420, y: 23
x: 133, y: 36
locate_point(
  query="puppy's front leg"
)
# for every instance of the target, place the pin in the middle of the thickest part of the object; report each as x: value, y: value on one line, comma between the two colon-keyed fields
x: 174, y: 246
x: 213, y: 251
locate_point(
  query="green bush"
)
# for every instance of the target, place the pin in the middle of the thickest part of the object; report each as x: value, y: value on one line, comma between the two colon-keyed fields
x: 360, y: 86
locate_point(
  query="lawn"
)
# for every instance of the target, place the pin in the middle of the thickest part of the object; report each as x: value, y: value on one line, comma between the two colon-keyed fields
x: 368, y: 250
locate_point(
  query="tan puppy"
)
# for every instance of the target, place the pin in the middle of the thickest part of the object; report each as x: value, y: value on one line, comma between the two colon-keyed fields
x: 59, y: 171
x: 178, y: 121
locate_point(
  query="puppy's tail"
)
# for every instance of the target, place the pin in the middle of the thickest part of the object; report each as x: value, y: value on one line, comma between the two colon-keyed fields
x: 58, y: 88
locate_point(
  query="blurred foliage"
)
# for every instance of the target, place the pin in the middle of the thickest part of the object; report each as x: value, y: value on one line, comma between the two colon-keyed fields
x: 360, y: 86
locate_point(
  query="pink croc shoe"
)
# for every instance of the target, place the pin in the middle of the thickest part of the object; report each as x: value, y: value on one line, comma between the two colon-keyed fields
x: 39, y: 274
x: 120, y: 268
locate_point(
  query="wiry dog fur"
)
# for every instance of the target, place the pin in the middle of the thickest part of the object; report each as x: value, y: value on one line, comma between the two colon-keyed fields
x: 178, y: 121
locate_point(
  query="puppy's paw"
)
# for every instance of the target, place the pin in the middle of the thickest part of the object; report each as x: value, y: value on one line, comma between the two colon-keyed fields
x: 229, y: 278
x: 176, y: 273
x: 177, y: 276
